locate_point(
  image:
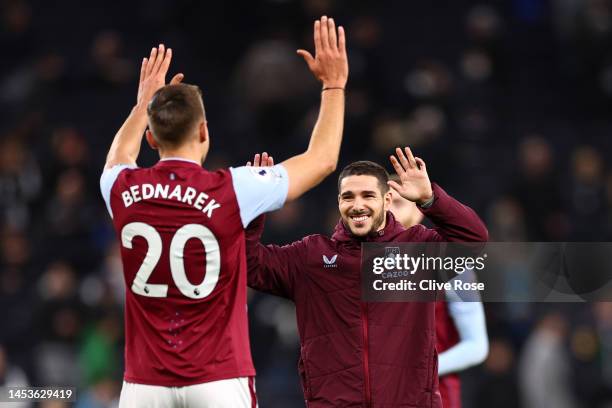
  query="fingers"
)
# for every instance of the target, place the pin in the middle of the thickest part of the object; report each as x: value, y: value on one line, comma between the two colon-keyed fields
x: 158, y: 61
x: 165, y: 64
x: 329, y: 64
x: 411, y: 160
x: 420, y: 163
x: 341, y: 40
x: 151, y: 61
x: 143, y: 69
x: 177, y: 79
x: 324, y: 34
x: 262, y: 160
x: 317, y: 37
x: 397, y: 166
x: 307, y: 57
x: 394, y: 185
x: 402, y: 159
x: 333, y: 40
x: 161, y: 54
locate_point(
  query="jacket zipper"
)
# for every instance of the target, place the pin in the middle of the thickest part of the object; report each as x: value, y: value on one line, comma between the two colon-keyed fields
x: 366, y: 364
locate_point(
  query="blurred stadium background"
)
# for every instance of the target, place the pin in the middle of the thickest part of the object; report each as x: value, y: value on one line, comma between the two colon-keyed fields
x: 508, y: 102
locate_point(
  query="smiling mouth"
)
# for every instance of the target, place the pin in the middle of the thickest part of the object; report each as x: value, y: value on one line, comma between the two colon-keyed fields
x: 359, y: 218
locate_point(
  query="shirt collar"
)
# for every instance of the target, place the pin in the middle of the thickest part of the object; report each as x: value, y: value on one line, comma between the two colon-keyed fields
x: 180, y: 159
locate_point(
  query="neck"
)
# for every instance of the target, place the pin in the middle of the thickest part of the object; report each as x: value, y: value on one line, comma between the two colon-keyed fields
x: 183, y: 152
x: 384, y: 223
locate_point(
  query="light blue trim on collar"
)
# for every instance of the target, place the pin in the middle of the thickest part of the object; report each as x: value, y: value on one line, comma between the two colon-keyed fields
x: 180, y: 159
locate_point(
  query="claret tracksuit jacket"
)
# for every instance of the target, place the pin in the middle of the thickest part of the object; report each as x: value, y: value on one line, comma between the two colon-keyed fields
x: 353, y: 353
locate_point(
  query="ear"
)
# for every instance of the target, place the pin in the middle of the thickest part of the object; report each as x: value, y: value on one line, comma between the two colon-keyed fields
x: 387, y: 199
x: 203, y: 131
x: 151, y: 140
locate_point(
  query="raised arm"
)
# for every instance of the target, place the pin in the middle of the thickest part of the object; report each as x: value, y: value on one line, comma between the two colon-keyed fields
x: 271, y: 268
x: 454, y: 221
x: 330, y: 67
x: 126, y: 144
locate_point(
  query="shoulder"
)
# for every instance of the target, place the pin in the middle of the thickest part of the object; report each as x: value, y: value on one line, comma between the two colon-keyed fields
x: 259, y: 175
x: 218, y: 176
x: 308, y: 241
x: 110, y: 175
x: 316, y: 240
x: 309, y: 245
x: 416, y: 233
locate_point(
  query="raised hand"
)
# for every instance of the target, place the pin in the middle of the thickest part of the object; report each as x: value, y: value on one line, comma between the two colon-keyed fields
x: 414, y: 182
x: 330, y: 63
x: 262, y: 160
x: 153, y: 73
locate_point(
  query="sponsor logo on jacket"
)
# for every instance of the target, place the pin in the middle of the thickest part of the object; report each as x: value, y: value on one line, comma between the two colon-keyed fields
x: 330, y: 262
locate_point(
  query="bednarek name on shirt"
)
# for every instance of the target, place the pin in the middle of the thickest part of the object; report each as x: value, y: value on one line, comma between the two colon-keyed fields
x: 188, y: 195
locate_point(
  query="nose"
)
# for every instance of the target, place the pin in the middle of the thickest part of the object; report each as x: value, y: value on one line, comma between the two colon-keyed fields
x: 358, y: 204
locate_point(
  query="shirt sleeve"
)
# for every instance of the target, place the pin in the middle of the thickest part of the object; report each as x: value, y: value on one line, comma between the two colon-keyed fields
x: 473, y: 346
x: 108, y: 179
x: 259, y: 190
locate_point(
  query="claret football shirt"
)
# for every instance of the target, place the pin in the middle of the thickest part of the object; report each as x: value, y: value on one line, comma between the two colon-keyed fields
x: 181, y: 230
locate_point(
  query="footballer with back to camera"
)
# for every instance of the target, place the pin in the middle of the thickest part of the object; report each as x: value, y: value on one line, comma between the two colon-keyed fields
x: 181, y: 230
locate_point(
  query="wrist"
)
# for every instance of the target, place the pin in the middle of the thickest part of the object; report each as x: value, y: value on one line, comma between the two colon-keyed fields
x: 140, y: 108
x: 426, y: 202
x: 334, y: 84
x: 332, y: 88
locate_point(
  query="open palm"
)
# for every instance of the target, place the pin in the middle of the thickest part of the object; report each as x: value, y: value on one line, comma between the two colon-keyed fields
x: 153, y: 73
x: 414, y: 182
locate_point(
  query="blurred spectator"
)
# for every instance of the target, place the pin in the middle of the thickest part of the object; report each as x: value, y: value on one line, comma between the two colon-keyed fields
x: 538, y: 191
x: 32, y: 85
x: 69, y: 151
x: 506, y: 221
x: 15, y: 33
x: 20, y: 183
x: 587, y: 195
x: 59, y: 323
x: 100, y: 351
x: 109, y: 66
x: 544, y: 372
x: 590, y: 346
x: 68, y: 219
x: 497, y: 385
x: 273, y: 82
x: 16, y: 274
x: 102, y: 394
x: 430, y: 80
x: 12, y: 376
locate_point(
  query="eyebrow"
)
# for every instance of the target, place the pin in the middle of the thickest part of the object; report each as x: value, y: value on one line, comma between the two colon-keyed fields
x: 350, y: 193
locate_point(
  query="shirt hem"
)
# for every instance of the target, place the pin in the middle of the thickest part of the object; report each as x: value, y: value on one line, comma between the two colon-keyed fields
x: 184, y: 383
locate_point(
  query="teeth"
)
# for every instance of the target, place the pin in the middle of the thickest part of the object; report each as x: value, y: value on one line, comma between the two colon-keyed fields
x: 360, y: 218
